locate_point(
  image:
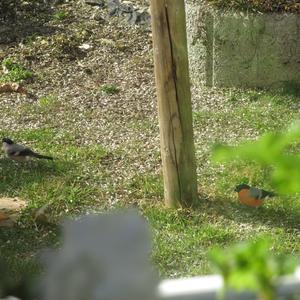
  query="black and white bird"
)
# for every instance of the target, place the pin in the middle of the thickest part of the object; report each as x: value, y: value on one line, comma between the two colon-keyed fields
x: 20, y: 152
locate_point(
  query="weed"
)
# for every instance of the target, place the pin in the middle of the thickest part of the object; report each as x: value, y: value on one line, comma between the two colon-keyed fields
x: 48, y: 101
x: 110, y: 89
x: 14, y: 72
x: 251, y: 266
x: 61, y: 15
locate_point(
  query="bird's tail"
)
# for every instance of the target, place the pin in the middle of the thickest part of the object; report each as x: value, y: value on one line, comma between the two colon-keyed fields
x: 41, y: 156
x: 268, y: 194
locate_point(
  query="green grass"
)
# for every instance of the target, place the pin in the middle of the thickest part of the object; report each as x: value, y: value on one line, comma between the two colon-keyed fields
x: 106, y: 150
x: 21, y: 247
x: 183, y: 239
x: 82, y: 177
x: 47, y: 102
x: 14, y: 72
x: 65, y: 183
x: 145, y: 186
x: 110, y: 89
x: 61, y: 15
x: 251, y: 113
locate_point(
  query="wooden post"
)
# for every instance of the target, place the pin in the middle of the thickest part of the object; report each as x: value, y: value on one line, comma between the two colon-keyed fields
x: 174, y: 102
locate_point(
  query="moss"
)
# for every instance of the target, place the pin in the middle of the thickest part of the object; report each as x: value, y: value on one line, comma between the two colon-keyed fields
x: 259, y: 5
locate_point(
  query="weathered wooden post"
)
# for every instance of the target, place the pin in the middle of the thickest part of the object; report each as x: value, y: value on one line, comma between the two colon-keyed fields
x: 174, y: 101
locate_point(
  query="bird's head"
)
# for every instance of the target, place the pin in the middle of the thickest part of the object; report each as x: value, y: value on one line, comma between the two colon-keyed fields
x: 7, y: 141
x: 241, y: 187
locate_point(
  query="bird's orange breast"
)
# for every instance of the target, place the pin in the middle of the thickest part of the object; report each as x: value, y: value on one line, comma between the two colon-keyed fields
x: 245, y: 198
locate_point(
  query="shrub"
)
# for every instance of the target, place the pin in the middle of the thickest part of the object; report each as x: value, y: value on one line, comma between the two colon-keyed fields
x: 251, y: 266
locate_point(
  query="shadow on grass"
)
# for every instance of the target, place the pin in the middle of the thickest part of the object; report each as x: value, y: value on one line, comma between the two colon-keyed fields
x: 18, y: 175
x: 291, y: 88
x: 18, y: 33
x: 275, y: 217
x: 20, y: 251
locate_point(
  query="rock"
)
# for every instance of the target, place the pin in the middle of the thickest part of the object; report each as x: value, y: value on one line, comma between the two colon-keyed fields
x: 126, y: 9
x: 113, y: 5
x: 132, y: 18
x: 10, y: 210
x: 85, y: 47
x: 144, y: 17
x: 97, y: 16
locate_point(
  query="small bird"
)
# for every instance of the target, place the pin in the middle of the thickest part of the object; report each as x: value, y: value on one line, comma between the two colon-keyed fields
x: 252, y: 196
x: 19, y: 152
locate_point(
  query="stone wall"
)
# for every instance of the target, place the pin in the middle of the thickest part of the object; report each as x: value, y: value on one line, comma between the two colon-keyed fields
x: 242, y: 50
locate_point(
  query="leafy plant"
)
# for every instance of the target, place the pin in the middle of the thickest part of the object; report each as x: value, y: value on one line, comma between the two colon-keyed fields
x: 48, y: 101
x: 251, y: 266
x: 61, y: 15
x: 110, y: 89
x: 271, y: 150
x: 14, y: 72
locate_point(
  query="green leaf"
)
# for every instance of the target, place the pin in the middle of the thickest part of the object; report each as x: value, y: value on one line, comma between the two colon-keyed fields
x: 270, y: 150
x: 251, y: 266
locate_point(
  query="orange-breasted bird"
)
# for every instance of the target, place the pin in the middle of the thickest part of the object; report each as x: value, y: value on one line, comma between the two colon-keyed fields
x: 252, y: 196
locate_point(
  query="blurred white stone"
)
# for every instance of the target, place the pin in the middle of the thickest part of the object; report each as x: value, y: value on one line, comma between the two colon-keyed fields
x: 103, y: 257
x: 85, y: 47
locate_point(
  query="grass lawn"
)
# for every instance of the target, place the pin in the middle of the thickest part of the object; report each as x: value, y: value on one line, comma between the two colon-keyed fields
x: 95, y: 112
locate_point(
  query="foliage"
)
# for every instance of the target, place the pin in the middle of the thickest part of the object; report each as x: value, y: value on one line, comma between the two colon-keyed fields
x: 48, y: 101
x: 271, y: 150
x: 14, y: 72
x: 259, y: 5
x: 251, y: 266
x: 61, y: 15
x: 110, y: 89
